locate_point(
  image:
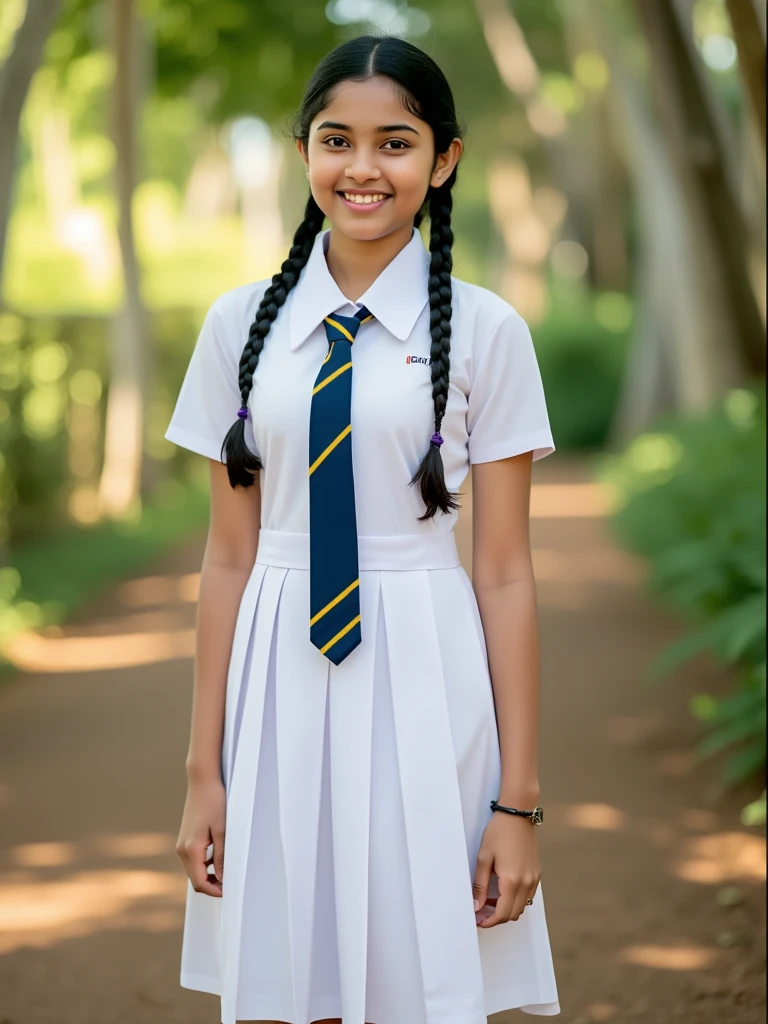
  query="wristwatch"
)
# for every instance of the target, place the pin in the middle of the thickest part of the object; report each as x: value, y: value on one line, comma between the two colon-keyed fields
x: 536, y: 815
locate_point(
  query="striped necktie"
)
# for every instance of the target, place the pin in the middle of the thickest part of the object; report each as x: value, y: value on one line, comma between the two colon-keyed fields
x: 334, y: 582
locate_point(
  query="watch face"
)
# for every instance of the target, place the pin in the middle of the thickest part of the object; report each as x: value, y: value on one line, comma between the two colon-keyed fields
x: 537, y: 816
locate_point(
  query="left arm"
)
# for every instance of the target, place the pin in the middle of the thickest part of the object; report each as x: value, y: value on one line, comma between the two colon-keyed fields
x: 502, y: 577
x: 503, y: 581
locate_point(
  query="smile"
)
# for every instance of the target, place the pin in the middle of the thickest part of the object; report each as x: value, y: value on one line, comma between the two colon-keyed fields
x: 367, y: 201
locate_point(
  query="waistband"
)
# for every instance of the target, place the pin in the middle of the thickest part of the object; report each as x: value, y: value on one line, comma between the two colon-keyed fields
x: 409, y: 551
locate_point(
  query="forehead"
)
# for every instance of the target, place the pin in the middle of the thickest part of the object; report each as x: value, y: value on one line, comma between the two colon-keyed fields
x: 364, y: 105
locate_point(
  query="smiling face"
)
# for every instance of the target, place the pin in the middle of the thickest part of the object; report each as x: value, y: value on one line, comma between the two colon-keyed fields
x: 370, y: 161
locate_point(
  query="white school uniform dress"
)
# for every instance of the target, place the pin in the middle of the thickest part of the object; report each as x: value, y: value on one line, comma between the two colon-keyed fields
x: 357, y: 794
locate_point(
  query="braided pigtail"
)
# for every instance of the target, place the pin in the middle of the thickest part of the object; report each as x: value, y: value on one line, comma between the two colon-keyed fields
x: 241, y: 462
x: 430, y: 476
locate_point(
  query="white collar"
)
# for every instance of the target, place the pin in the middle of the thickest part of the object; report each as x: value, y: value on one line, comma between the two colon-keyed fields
x: 396, y: 297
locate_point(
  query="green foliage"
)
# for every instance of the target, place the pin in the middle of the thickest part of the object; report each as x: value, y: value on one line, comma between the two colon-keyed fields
x: 581, y: 351
x: 51, y: 578
x: 755, y: 812
x: 53, y: 390
x: 238, y: 57
x: 693, y: 503
x: 183, y: 262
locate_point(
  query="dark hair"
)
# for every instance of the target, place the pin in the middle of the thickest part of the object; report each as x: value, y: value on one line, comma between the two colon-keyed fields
x: 424, y: 92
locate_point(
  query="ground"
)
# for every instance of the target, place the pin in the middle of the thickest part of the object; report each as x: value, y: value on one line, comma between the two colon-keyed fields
x: 640, y: 847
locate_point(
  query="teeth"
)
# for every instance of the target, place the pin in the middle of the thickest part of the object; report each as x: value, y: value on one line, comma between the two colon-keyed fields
x: 355, y: 197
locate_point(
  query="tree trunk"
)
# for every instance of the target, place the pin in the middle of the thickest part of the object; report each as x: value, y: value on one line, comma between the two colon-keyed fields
x: 15, y: 77
x: 609, y: 207
x: 749, y: 33
x: 516, y: 218
x: 704, y: 159
x: 649, y: 386
x: 606, y: 199
x: 120, y: 485
x: 676, y: 360
x: 754, y: 202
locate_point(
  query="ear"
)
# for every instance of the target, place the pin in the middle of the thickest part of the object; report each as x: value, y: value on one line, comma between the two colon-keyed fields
x: 445, y: 163
x: 302, y: 154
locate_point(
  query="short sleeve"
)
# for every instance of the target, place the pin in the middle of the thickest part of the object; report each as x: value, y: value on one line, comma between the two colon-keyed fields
x: 506, y: 407
x: 209, y: 396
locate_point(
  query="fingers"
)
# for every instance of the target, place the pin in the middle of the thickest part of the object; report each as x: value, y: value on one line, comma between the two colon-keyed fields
x: 218, y: 854
x: 196, y: 855
x: 514, y: 894
x: 485, y: 912
x: 482, y: 879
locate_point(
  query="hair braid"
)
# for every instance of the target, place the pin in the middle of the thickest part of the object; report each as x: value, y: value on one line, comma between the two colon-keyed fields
x: 241, y: 462
x: 430, y: 475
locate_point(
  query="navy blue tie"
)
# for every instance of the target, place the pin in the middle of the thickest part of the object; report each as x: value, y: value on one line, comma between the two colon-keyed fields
x: 334, y: 582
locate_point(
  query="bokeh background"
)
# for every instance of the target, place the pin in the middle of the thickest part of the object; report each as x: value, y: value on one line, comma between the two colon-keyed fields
x: 613, y: 190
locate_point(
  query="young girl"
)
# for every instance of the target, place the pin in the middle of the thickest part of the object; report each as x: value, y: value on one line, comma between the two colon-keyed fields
x: 359, y: 704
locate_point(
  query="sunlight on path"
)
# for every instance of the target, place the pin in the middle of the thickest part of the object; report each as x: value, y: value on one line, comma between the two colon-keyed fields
x: 37, y: 913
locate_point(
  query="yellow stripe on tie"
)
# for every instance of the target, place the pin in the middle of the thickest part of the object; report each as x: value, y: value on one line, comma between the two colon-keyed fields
x: 339, y: 327
x: 329, y: 449
x: 330, y: 353
x: 334, y: 602
x: 340, y: 634
x: 330, y: 377
x: 369, y: 317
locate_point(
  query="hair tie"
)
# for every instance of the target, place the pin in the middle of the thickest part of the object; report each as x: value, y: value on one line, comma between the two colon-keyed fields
x: 436, y: 439
x: 243, y: 412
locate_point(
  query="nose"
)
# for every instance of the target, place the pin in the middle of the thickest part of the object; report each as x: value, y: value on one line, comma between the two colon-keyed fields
x: 362, y: 167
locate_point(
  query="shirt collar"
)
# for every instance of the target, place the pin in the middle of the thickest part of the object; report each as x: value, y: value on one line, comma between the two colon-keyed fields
x: 396, y: 297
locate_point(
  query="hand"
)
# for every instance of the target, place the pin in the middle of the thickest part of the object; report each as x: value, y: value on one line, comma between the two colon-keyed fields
x: 201, y: 838
x: 509, y: 848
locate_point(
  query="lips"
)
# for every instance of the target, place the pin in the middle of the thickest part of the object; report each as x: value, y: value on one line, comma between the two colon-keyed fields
x: 364, y: 200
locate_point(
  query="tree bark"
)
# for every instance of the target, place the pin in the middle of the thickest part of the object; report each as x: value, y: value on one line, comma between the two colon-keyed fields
x: 676, y: 360
x: 15, y: 78
x: 749, y: 33
x: 705, y: 163
x: 670, y: 268
x: 120, y: 485
x: 606, y: 199
x: 522, y: 281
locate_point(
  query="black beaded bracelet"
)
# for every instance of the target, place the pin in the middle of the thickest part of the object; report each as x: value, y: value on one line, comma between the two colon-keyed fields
x: 536, y: 815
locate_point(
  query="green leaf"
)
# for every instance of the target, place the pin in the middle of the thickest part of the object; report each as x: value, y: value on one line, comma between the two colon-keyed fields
x: 704, y: 707
x: 755, y: 812
x: 745, y: 764
x: 741, y: 729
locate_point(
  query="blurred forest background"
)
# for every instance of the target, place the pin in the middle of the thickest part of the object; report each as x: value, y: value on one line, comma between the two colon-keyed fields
x: 612, y: 189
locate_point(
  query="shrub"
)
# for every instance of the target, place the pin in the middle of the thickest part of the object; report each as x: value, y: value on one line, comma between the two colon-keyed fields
x: 693, y: 503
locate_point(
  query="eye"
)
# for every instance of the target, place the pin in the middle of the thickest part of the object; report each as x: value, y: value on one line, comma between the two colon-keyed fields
x: 334, y: 138
x: 399, y: 143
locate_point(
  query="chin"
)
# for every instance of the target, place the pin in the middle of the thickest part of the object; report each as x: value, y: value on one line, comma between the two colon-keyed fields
x: 363, y: 232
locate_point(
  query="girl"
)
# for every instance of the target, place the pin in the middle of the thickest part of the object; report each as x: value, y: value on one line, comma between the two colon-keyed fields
x: 358, y: 706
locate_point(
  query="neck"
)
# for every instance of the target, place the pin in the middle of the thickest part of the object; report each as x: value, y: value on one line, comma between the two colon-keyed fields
x: 354, y: 264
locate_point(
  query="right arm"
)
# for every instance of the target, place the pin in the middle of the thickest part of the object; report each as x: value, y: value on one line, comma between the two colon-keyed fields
x: 230, y: 553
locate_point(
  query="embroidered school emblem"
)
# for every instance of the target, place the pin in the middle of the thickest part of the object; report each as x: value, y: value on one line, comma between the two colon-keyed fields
x: 419, y: 359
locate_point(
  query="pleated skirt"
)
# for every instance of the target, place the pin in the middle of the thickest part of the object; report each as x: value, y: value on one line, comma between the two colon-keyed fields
x: 357, y: 796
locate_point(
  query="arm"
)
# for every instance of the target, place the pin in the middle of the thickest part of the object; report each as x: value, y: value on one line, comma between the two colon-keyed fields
x: 230, y: 552
x: 504, y: 585
x: 502, y: 577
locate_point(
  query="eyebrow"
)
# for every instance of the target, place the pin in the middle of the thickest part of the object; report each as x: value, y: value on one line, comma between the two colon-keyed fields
x: 381, y: 129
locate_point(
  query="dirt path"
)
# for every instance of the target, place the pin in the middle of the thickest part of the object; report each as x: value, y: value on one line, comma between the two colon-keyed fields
x: 637, y: 844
